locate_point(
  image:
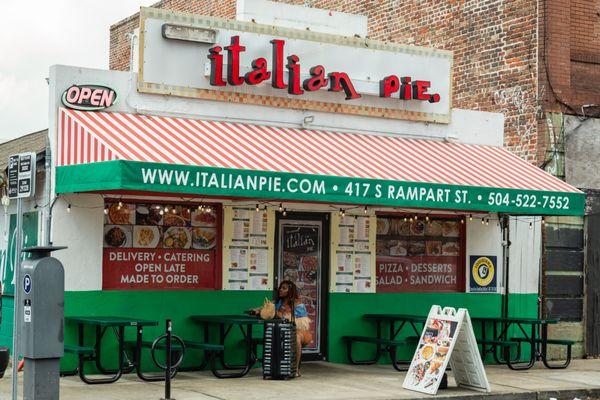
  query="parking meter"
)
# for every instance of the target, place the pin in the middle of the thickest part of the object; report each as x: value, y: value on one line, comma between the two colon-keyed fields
x: 42, y: 323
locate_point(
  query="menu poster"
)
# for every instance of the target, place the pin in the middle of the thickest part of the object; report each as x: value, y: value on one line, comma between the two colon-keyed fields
x: 241, y: 213
x: 241, y: 230
x: 238, y: 268
x: 259, y: 281
x: 447, y: 338
x: 259, y: 223
x: 344, y: 262
x: 238, y: 275
x: 248, y: 258
x: 346, y: 236
x: 343, y: 287
x: 158, y: 246
x: 238, y: 258
x: 419, y: 256
x: 259, y: 260
x: 362, y: 265
x: 352, y: 258
x: 237, y: 285
x: 362, y: 228
x: 363, y: 285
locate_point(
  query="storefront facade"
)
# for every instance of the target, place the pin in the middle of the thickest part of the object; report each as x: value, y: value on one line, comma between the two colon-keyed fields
x: 239, y: 155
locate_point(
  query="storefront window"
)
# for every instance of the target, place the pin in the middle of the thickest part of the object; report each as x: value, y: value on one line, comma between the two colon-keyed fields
x: 161, y: 246
x: 420, y: 255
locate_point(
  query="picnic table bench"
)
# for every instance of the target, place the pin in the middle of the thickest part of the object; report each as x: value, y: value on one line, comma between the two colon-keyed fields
x: 538, y: 343
x: 225, y: 324
x: 93, y: 353
x: 209, y: 349
x: 387, y: 344
x: 498, y: 340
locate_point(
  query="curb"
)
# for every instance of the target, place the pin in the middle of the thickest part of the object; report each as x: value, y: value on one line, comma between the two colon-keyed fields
x: 568, y: 394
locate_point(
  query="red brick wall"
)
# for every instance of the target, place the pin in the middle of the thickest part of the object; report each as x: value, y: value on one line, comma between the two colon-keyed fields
x: 569, y: 54
x: 494, y: 44
x: 570, y: 48
x: 120, y: 46
x: 585, y: 28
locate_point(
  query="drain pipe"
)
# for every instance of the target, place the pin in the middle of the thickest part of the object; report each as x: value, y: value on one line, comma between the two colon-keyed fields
x: 48, y: 189
x: 49, y: 220
x: 506, y: 259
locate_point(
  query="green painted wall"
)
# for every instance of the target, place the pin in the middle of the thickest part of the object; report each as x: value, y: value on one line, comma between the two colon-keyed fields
x: 7, y: 256
x: 158, y: 306
x: 345, y: 311
x: 6, y: 328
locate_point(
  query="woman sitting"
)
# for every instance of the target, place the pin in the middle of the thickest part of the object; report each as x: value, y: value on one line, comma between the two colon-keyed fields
x: 288, y: 298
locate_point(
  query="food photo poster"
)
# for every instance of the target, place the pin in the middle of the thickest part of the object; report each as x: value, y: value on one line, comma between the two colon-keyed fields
x: 159, y: 246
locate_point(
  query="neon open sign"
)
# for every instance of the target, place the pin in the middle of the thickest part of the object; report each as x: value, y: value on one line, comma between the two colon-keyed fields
x: 402, y: 87
x: 89, y: 97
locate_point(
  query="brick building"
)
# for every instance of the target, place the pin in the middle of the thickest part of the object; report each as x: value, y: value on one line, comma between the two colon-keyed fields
x: 569, y: 76
x: 531, y: 61
x: 491, y: 77
x: 494, y: 45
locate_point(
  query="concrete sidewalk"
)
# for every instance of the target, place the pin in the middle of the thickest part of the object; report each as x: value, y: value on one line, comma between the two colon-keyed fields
x: 334, y: 381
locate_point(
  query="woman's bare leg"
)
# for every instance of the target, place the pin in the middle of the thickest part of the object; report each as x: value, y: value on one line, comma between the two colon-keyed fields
x: 298, y: 353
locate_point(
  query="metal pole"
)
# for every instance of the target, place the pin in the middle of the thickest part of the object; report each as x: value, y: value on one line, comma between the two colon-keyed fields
x: 168, y: 369
x: 17, y: 299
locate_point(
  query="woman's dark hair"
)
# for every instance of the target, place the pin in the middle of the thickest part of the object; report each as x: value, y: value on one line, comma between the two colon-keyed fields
x: 292, y: 291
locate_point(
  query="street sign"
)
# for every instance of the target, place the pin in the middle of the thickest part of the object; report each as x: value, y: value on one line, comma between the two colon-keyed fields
x: 13, y: 176
x: 21, y: 175
x: 21, y: 185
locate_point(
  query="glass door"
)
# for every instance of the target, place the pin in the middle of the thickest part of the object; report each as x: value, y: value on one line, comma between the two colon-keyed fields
x: 301, y: 259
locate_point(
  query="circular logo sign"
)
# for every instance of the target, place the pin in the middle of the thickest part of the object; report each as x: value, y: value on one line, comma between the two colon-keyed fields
x: 27, y: 283
x: 483, y: 271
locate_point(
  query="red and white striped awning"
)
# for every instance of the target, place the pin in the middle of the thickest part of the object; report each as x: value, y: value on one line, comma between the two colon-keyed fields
x: 88, y: 137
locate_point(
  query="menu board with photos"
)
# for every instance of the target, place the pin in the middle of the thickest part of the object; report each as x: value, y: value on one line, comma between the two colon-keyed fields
x: 447, y: 340
x: 247, y: 250
x: 419, y: 255
x: 159, y: 246
x: 352, y: 254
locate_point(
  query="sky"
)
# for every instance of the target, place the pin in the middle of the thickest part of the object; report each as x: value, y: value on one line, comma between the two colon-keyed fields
x: 37, y: 34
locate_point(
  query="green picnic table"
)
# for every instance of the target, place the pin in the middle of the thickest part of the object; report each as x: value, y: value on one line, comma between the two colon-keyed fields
x: 396, y: 323
x: 93, y: 354
x: 225, y: 323
x: 530, y: 329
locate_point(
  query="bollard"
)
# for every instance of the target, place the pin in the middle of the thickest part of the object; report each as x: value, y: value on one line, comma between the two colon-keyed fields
x: 168, y: 366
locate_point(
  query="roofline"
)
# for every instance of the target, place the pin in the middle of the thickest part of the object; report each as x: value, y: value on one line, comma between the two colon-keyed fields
x: 133, y: 16
x: 21, y: 137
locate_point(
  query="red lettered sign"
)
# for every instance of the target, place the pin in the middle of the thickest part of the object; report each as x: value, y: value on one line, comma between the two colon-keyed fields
x: 141, y: 269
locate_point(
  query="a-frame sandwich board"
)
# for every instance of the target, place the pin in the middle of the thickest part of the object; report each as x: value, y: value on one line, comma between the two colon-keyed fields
x: 447, y: 339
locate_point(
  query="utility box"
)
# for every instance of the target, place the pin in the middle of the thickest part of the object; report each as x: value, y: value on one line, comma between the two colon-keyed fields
x: 42, y: 323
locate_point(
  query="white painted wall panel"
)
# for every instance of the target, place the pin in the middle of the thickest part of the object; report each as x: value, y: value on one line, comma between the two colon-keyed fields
x: 485, y: 240
x: 524, y: 255
x: 301, y: 17
x: 81, y: 231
